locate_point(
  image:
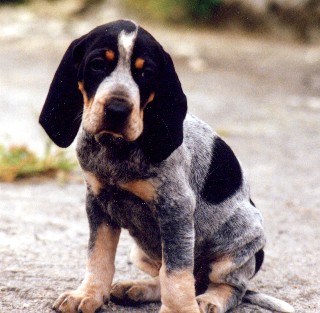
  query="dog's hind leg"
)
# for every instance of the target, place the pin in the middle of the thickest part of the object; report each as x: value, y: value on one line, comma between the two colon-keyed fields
x: 218, y: 298
x: 227, y: 286
x: 136, y: 291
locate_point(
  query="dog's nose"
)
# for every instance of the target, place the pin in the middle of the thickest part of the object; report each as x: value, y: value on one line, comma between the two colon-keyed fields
x: 116, y: 114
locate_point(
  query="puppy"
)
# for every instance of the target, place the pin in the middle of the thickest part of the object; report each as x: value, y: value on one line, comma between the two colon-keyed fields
x: 157, y: 171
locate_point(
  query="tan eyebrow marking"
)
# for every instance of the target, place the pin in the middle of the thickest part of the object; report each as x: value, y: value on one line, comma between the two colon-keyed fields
x: 110, y: 55
x: 139, y: 63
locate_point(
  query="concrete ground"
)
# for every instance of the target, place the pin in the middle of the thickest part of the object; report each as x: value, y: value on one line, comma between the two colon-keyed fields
x: 261, y: 95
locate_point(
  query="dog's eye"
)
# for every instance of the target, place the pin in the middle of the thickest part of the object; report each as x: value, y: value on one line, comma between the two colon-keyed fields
x: 98, y: 64
x: 146, y: 74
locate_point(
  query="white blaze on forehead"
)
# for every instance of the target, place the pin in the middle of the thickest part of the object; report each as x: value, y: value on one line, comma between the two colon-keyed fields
x: 121, y: 77
x: 125, y: 45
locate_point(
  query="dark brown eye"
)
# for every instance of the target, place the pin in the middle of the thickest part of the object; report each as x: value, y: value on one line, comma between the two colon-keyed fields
x: 98, y: 64
x: 146, y: 74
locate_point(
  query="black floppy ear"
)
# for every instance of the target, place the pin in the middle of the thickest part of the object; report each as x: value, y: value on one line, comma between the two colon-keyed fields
x: 61, y: 113
x: 163, y: 121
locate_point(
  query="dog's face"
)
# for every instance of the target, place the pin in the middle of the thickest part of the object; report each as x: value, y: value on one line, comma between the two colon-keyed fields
x: 117, y: 80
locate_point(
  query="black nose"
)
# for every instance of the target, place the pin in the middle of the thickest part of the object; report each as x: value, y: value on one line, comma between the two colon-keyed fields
x: 116, y: 114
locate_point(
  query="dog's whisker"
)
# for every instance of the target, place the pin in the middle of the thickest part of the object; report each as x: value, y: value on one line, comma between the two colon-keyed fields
x: 78, y: 117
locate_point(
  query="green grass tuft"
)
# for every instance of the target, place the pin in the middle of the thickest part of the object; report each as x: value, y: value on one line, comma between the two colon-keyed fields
x: 19, y: 162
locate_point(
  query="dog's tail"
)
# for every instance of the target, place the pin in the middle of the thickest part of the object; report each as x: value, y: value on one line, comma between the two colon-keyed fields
x: 267, y: 302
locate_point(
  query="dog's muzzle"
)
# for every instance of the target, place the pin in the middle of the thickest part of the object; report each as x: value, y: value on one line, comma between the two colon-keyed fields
x: 116, y: 114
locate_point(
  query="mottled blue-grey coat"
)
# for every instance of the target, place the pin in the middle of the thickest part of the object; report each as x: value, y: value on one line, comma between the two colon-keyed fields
x: 157, y: 171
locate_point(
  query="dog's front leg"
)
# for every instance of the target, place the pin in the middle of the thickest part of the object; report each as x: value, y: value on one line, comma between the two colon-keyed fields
x: 176, y: 274
x: 95, y: 288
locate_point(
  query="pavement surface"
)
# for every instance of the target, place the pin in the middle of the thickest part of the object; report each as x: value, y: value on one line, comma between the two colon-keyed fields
x: 260, y: 94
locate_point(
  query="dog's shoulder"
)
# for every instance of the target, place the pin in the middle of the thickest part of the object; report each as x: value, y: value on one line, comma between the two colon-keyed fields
x: 214, y: 170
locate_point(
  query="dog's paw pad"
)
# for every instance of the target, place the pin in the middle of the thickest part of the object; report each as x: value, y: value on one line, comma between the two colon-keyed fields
x: 137, y: 293
x: 76, y: 301
x: 119, y: 290
x: 129, y: 292
x: 206, y: 305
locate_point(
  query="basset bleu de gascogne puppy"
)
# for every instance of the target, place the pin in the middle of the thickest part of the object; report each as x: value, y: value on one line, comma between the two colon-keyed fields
x: 161, y: 173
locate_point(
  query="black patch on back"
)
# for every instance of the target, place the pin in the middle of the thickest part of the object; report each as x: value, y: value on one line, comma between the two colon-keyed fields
x: 224, y: 177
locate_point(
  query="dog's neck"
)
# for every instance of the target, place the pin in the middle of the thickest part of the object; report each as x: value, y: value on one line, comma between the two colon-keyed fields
x: 112, y: 157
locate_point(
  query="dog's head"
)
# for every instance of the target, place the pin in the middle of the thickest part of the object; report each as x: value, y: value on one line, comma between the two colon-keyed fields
x: 117, y: 80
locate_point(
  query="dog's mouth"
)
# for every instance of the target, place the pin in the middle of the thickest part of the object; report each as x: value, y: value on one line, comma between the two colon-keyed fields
x: 105, y: 138
x: 117, y: 136
x: 105, y: 133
